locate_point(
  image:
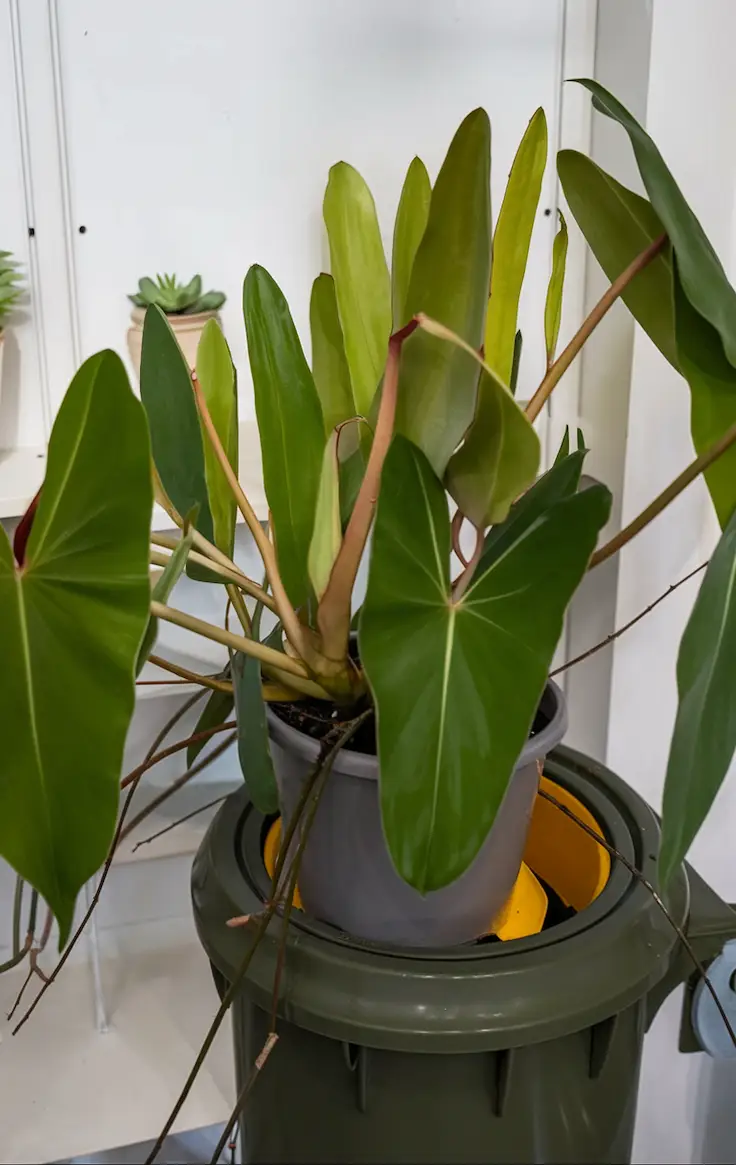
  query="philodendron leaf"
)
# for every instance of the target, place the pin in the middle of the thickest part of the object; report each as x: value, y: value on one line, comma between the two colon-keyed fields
x: 703, y: 279
x: 176, y: 437
x: 704, y: 736
x: 553, y: 304
x: 216, y: 711
x: 511, y: 241
x: 329, y: 364
x: 327, y: 534
x: 290, y: 425
x: 254, y: 750
x: 71, y: 622
x: 164, y: 585
x: 409, y: 228
x: 440, y: 669
x: 500, y: 455
x: 449, y: 282
x: 216, y: 375
x: 618, y: 225
x: 564, y: 449
x: 361, y: 277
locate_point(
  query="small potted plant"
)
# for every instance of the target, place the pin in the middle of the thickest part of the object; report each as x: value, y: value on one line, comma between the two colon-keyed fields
x: 10, y: 291
x: 185, y: 305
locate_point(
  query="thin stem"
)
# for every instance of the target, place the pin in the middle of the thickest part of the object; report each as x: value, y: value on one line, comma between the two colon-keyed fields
x: 615, y: 634
x: 226, y: 573
x: 668, y: 495
x: 260, y: 1060
x: 179, y: 821
x: 172, y: 722
x: 30, y: 935
x: 648, y: 886
x: 214, y: 683
x: 240, y: 609
x: 457, y: 524
x: 278, y: 659
x: 464, y: 580
x: 17, y: 908
x: 205, y: 734
x: 565, y: 359
x: 286, y: 612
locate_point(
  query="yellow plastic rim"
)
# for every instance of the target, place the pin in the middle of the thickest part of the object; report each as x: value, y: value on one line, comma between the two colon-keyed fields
x: 557, y: 850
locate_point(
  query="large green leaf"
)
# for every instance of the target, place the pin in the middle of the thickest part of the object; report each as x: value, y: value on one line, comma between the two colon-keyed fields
x: 704, y: 737
x: 618, y: 225
x: 327, y: 534
x: 329, y: 364
x: 555, y: 287
x: 361, y: 279
x: 703, y: 278
x: 71, y: 622
x: 176, y: 437
x: 216, y: 375
x: 409, y: 228
x: 449, y: 282
x: 511, y: 240
x: 290, y: 425
x: 254, y: 749
x: 712, y: 381
x: 457, y: 683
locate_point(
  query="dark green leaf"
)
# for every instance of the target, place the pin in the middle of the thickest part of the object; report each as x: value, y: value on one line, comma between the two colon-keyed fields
x: 165, y: 584
x: 71, y: 623
x: 216, y: 375
x: 439, y: 669
x: 564, y: 449
x: 553, y: 304
x: 329, y: 364
x: 511, y: 241
x: 361, y: 277
x: 516, y: 364
x: 618, y: 225
x: 704, y: 737
x: 254, y: 750
x: 411, y: 222
x: 449, y: 282
x: 176, y: 437
x: 290, y: 425
x: 216, y: 711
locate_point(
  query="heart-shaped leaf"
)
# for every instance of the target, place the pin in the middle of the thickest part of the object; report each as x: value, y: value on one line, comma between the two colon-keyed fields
x: 457, y: 683
x: 409, y: 228
x: 216, y: 375
x: 71, y: 622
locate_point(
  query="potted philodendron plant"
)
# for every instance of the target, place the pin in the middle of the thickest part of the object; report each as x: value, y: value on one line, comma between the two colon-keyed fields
x: 426, y: 702
x: 185, y: 305
x: 10, y: 291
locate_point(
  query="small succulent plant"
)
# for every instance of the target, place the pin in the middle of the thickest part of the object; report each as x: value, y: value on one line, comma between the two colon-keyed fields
x: 176, y: 298
x: 10, y: 288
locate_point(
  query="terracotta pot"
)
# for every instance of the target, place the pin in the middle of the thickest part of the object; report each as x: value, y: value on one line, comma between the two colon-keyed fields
x: 187, y: 330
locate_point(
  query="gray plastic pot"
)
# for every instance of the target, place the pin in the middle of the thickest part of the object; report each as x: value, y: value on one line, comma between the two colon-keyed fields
x: 347, y: 877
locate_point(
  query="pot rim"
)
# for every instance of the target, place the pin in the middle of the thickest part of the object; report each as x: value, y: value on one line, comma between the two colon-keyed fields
x: 359, y: 764
x: 177, y: 319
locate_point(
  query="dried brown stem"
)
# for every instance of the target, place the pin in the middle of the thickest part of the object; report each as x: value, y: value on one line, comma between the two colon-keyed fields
x: 133, y: 776
x: 214, y: 683
x: 260, y: 1060
x: 179, y: 821
x: 463, y: 581
x: 457, y: 524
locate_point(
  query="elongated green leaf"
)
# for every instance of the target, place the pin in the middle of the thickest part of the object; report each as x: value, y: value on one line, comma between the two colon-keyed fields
x: 511, y: 241
x: 290, y: 425
x: 254, y: 750
x: 703, y: 278
x: 704, y: 737
x: 564, y: 449
x: 553, y: 304
x: 216, y: 375
x: 409, y: 228
x: 329, y: 364
x: 516, y: 364
x: 176, y: 437
x: 71, y: 622
x: 712, y: 383
x: 165, y: 584
x: 327, y: 534
x: 448, y: 713
x: 449, y: 282
x: 216, y: 711
x: 618, y: 225
x: 361, y: 277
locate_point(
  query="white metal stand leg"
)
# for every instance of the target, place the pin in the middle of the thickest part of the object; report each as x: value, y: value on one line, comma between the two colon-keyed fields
x: 93, y: 950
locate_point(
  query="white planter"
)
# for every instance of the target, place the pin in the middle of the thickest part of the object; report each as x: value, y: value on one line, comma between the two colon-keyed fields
x: 187, y: 330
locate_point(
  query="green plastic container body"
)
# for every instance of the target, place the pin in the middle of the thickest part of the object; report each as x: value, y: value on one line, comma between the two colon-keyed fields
x: 527, y: 1051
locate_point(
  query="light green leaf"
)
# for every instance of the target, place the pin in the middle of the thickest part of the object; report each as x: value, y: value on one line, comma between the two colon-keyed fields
x: 329, y: 364
x: 176, y: 437
x: 216, y: 375
x: 327, y: 534
x: 553, y: 305
x: 361, y: 277
x: 254, y: 749
x: 449, y: 282
x: 409, y: 228
x: 71, y: 622
x: 216, y: 711
x: 511, y: 241
x: 618, y: 225
x: 704, y: 737
x: 290, y: 425
x: 447, y: 713
x: 701, y: 272
x: 164, y: 585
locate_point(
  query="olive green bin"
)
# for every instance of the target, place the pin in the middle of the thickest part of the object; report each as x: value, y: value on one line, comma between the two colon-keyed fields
x: 522, y: 1051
